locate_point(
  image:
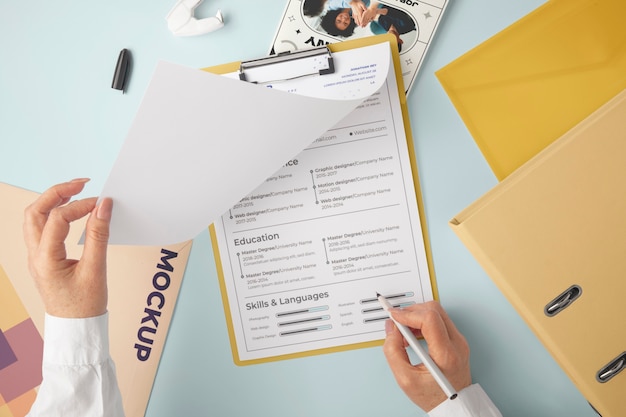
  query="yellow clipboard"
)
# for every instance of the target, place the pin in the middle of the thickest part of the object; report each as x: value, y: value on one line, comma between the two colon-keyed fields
x: 552, y: 236
x: 529, y: 84
x: 336, y: 47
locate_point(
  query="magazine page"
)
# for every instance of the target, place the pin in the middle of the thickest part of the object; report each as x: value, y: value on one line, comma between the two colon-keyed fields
x: 311, y: 23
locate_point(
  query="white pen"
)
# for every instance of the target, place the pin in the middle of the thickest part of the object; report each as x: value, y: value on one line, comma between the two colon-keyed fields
x: 432, y: 367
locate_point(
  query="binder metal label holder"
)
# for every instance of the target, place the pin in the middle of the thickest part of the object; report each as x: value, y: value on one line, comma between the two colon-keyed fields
x: 563, y: 301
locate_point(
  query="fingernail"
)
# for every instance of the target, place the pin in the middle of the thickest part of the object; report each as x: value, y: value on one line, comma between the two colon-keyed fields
x: 83, y: 180
x: 105, y: 209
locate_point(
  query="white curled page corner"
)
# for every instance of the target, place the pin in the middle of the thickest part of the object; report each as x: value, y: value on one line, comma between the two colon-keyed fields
x: 182, y: 22
x: 200, y: 142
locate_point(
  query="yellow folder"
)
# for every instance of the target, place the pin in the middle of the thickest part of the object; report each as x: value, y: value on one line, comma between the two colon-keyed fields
x: 529, y: 84
x: 552, y: 236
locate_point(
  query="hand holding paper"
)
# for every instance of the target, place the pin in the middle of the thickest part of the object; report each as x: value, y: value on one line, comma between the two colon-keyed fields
x: 69, y: 288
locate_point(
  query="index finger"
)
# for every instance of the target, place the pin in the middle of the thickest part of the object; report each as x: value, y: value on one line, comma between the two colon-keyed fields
x: 53, y: 235
x: 431, y: 320
x: 36, y: 214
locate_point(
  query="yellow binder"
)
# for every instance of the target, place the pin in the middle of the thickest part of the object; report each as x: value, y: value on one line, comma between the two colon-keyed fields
x: 529, y: 84
x: 552, y: 236
x: 336, y: 47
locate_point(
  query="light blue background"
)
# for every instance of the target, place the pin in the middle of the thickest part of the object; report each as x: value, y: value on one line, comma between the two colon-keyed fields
x: 59, y: 119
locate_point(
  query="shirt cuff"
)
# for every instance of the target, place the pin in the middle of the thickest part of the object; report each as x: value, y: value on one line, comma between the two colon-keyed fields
x: 70, y: 341
x: 472, y: 401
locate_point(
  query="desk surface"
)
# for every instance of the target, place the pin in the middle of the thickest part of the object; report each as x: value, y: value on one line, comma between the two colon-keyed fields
x: 59, y: 119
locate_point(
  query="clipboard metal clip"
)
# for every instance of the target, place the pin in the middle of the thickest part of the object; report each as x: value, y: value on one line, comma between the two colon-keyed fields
x: 288, y: 65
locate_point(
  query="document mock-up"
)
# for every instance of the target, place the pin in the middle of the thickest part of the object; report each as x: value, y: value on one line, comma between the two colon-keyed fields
x: 529, y: 84
x: 301, y: 257
x: 552, y: 237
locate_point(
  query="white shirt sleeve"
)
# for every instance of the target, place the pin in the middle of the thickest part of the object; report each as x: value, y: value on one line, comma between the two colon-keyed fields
x: 78, y: 373
x: 471, y: 402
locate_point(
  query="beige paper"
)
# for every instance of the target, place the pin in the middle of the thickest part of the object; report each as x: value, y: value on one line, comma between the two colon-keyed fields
x: 138, y: 290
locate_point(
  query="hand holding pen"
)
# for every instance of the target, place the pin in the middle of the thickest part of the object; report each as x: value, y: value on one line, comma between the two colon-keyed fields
x: 446, y: 346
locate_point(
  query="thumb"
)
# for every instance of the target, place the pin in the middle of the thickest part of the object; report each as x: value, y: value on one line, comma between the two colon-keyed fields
x: 97, y: 234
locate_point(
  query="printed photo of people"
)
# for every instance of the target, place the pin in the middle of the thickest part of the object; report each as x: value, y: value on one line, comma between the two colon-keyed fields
x: 346, y: 19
